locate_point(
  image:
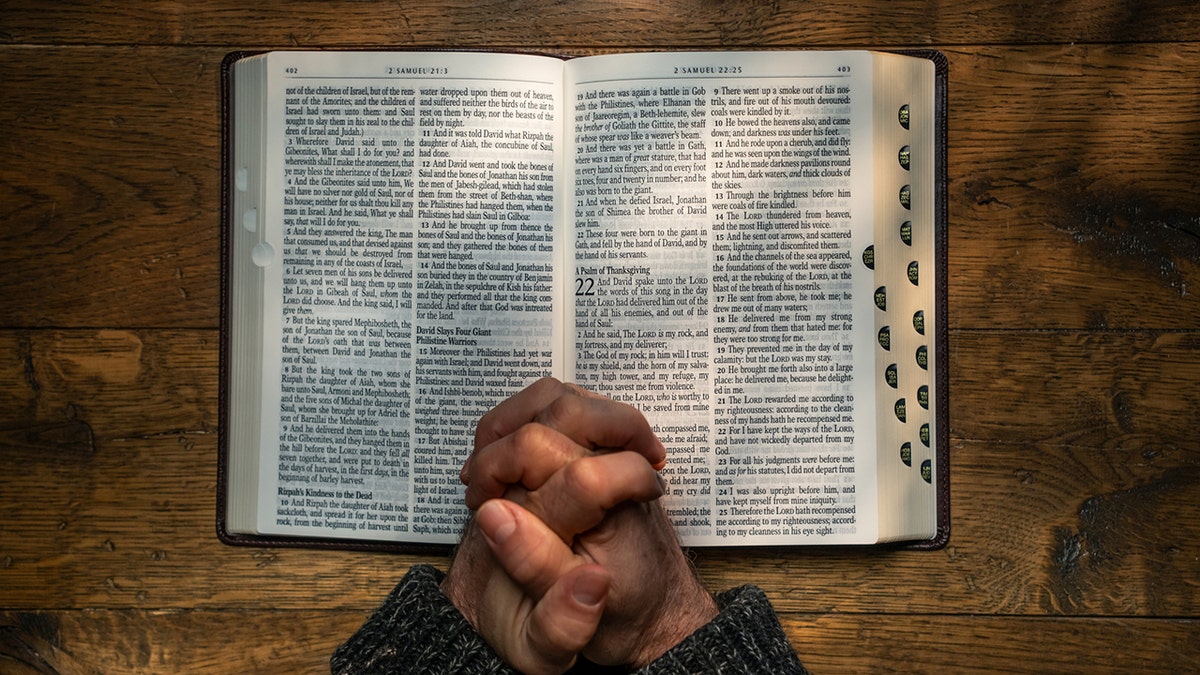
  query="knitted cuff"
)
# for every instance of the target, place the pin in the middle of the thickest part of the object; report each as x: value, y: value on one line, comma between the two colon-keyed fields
x: 417, y: 630
x: 745, y: 637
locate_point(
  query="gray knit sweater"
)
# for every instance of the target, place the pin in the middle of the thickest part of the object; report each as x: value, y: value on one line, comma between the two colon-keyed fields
x: 418, y: 630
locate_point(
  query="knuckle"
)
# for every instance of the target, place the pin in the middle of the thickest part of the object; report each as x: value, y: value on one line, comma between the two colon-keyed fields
x: 563, y: 408
x: 532, y: 437
x: 581, y: 477
x: 547, y: 383
x: 487, y: 429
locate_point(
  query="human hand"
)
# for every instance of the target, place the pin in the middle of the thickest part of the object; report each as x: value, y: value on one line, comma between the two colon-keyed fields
x: 532, y: 598
x: 542, y: 428
x: 575, y: 533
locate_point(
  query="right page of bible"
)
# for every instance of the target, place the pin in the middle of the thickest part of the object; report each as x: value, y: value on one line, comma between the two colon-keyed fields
x: 721, y: 206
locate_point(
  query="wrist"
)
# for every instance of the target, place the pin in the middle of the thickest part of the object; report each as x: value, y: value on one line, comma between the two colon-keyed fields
x: 464, y: 583
x: 690, y: 609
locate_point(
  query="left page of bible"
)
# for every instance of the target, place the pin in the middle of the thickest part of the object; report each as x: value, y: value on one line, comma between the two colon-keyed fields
x: 403, y: 256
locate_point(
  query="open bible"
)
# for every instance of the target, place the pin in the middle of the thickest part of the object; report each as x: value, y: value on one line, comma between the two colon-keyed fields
x: 747, y: 246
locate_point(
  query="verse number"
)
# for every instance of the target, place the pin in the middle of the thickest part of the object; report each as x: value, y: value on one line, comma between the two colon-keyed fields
x: 585, y: 286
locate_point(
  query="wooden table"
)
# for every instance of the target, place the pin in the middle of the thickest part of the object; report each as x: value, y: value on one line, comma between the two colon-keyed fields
x: 1074, y: 315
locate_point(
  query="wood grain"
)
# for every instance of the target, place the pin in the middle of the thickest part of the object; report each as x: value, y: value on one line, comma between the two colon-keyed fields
x: 1074, y: 195
x: 109, y: 196
x: 132, y: 641
x: 977, y: 644
x: 548, y: 23
x: 117, y: 642
x: 1074, y: 266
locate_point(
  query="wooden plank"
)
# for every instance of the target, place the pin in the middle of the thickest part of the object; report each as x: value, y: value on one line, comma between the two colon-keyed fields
x: 1075, y: 354
x: 839, y: 643
x: 110, y: 186
x: 1075, y: 488
x: 462, y: 23
x: 1072, y: 200
x: 1074, y: 193
x: 134, y: 641
x: 1085, y: 389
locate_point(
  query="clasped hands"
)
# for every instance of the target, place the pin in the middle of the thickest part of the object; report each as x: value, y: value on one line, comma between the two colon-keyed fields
x: 569, y: 552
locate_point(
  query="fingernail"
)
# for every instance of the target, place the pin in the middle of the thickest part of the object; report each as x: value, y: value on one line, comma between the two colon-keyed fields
x: 590, y: 589
x: 495, y: 521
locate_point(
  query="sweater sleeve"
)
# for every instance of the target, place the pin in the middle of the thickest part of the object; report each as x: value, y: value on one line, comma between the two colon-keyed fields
x: 745, y: 637
x: 418, y: 630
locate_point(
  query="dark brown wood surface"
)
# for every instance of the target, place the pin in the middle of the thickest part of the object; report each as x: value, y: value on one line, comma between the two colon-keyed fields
x: 1074, y: 279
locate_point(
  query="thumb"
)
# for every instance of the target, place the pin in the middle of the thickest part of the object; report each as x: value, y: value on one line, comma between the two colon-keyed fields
x: 564, y: 621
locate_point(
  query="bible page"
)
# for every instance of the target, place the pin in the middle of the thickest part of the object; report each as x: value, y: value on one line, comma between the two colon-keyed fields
x: 406, y: 249
x: 717, y: 201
